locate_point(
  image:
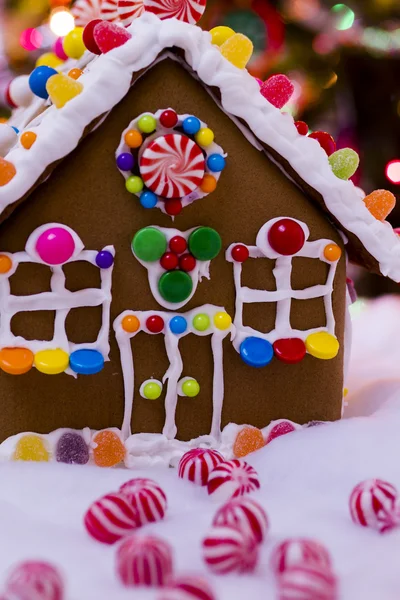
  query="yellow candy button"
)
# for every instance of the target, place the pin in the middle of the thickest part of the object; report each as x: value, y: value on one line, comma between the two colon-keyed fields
x: 31, y: 447
x: 51, y: 362
x: 322, y: 345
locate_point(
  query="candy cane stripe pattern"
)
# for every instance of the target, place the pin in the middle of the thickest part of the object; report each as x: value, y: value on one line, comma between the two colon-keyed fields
x: 172, y: 166
x: 373, y: 504
x: 147, y: 498
x: 188, y: 588
x: 129, y: 10
x: 299, y: 551
x: 244, y: 514
x: 189, y: 11
x: 307, y: 582
x: 109, y: 10
x: 229, y: 550
x: 196, y: 465
x: 111, y: 518
x: 144, y: 561
x: 232, y: 479
x: 85, y: 11
x: 33, y: 579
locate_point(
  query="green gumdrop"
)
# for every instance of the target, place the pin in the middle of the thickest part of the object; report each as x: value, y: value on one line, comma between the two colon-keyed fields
x: 344, y: 163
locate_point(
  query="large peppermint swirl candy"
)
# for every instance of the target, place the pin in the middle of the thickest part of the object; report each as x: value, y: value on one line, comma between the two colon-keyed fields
x: 189, y: 11
x: 36, y: 579
x: 111, y: 518
x: 85, y: 11
x: 129, y: 10
x: 144, y: 561
x: 299, y: 551
x: 147, y: 498
x: 373, y: 504
x: 109, y: 10
x: 172, y: 166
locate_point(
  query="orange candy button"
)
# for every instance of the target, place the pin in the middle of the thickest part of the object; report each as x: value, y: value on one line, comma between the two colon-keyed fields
x: 248, y: 440
x: 7, y: 172
x: 75, y: 73
x: 209, y: 184
x: 332, y: 252
x: 16, y: 361
x: 109, y: 451
x: 133, y: 138
x: 130, y: 324
x: 5, y: 264
x: 380, y: 204
x: 28, y: 139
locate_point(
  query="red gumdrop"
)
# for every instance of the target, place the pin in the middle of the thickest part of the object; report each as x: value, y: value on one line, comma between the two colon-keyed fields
x: 302, y: 127
x: 178, y: 244
x: 278, y: 90
x: 279, y: 429
x: 240, y: 253
x: 286, y: 237
x: 290, y: 350
x: 168, y: 118
x: 155, y: 324
x: 169, y: 261
x: 187, y: 263
x: 88, y: 38
x: 325, y: 140
x: 173, y: 207
x: 109, y: 36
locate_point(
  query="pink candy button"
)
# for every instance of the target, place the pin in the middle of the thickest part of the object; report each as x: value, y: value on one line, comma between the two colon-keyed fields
x: 55, y: 246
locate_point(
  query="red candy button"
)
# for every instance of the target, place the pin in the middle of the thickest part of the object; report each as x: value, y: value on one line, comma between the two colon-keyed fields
x: 155, y: 324
x: 301, y: 127
x: 286, y: 237
x: 240, y: 253
x: 290, y: 351
x: 169, y: 261
x: 187, y: 263
x: 178, y: 244
x: 168, y: 118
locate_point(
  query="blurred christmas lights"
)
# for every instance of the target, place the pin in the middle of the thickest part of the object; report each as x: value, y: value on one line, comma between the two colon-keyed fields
x: 31, y: 39
x: 343, y: 16
x: 393, y: 171
x: 61, y: 22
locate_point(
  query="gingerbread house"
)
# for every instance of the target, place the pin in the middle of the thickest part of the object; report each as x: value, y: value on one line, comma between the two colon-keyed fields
x: 173, y: 249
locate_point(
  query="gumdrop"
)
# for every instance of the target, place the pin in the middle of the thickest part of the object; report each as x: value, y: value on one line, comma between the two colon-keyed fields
x: 278, y: 90
x: 380, y: 204
x: 281, y: 428
x: 108, y: 36
x: 238, y: 49
x: 62, y: 89
x: 7, y: 172
x: 248, y: 440
x: 72, y: 449
x: 344, y: 163
x: 109, y: 450
x: 325, y: 140
x: 31, y: 448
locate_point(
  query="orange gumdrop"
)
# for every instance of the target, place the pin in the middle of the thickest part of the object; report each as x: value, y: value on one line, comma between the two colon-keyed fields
x: 208, y: 184
x: 16, y: 361
x: 248, y: 440
x: 7, y: 171
x: 28, y: 139
x: 109, y: 451
x: 380, y: 203
x: 130, y: 324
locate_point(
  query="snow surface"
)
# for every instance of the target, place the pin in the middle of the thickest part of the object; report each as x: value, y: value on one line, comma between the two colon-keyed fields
x: 306, y: 478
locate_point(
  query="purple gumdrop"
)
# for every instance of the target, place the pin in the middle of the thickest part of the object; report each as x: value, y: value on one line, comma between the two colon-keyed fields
x: 104, y: 259
x: 72, y: 449
x: 125, y: 161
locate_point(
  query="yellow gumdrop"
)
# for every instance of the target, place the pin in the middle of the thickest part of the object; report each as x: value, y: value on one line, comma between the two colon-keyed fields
x: 62, y: 89
x: 220, y: 34
x: 51, y: 362
x: 322, y: 345
x: 238, y: 49
x: 49, y: 59
x: 32, y: 448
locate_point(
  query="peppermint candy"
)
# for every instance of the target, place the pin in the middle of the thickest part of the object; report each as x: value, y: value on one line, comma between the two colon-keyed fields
x: 230, y: 550
x: 85, y: 11
x: 232, y: 479
x: 144, y: 561
x: 299, y: 551
x: 172, y: 166
x: 189, y: 11
x: 244, y: 514
x: 129, y: 10
x: 307, y: 582
x: 109, y: 10
x: 188, y: 588
x: 147, y: 498
x: 35, y: 580
x: 111, y: 518
x: 373, y: 504
x: 196, y: 465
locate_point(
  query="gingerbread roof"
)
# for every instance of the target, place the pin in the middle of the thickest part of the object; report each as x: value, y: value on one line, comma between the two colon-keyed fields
x: 107, y: 80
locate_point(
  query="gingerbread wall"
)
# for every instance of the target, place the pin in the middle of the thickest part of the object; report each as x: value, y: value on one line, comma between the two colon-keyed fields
x: 87, y: 192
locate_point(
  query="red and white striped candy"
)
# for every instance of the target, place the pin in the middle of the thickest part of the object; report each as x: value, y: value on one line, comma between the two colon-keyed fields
x: 373, y: 504
x: 144, y: 561
x: 189, y: 11
x: 109, y: 10
x: 172, y: 166
x: 111, y: 518
x: 232, y: 479
x: 244, y: 514
x: 85, y: 11
x: 129, y: 10
x: 307, y: 582
x: 39, y: 579
x: 147, y: 498
x: 197, y: 464
x: 299, y: 551
x: 22, y: 594
x: 228, y: 550
x: 188, y: 588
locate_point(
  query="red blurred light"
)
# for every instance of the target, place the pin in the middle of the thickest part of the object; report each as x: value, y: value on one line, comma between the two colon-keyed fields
x: 31, y: 39
x: 393, y: 171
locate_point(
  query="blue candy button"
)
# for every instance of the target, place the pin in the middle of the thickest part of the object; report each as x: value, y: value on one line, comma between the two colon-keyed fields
x: 178, y: 325
x: 256, y: 352
x: 191, y: 125
x: 86, y: 362
x: 216, y: 163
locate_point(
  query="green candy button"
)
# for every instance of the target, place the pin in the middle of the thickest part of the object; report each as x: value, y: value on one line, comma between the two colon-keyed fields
x: 149, y: 244
x: 175, y: 286
x: 205, y: 243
